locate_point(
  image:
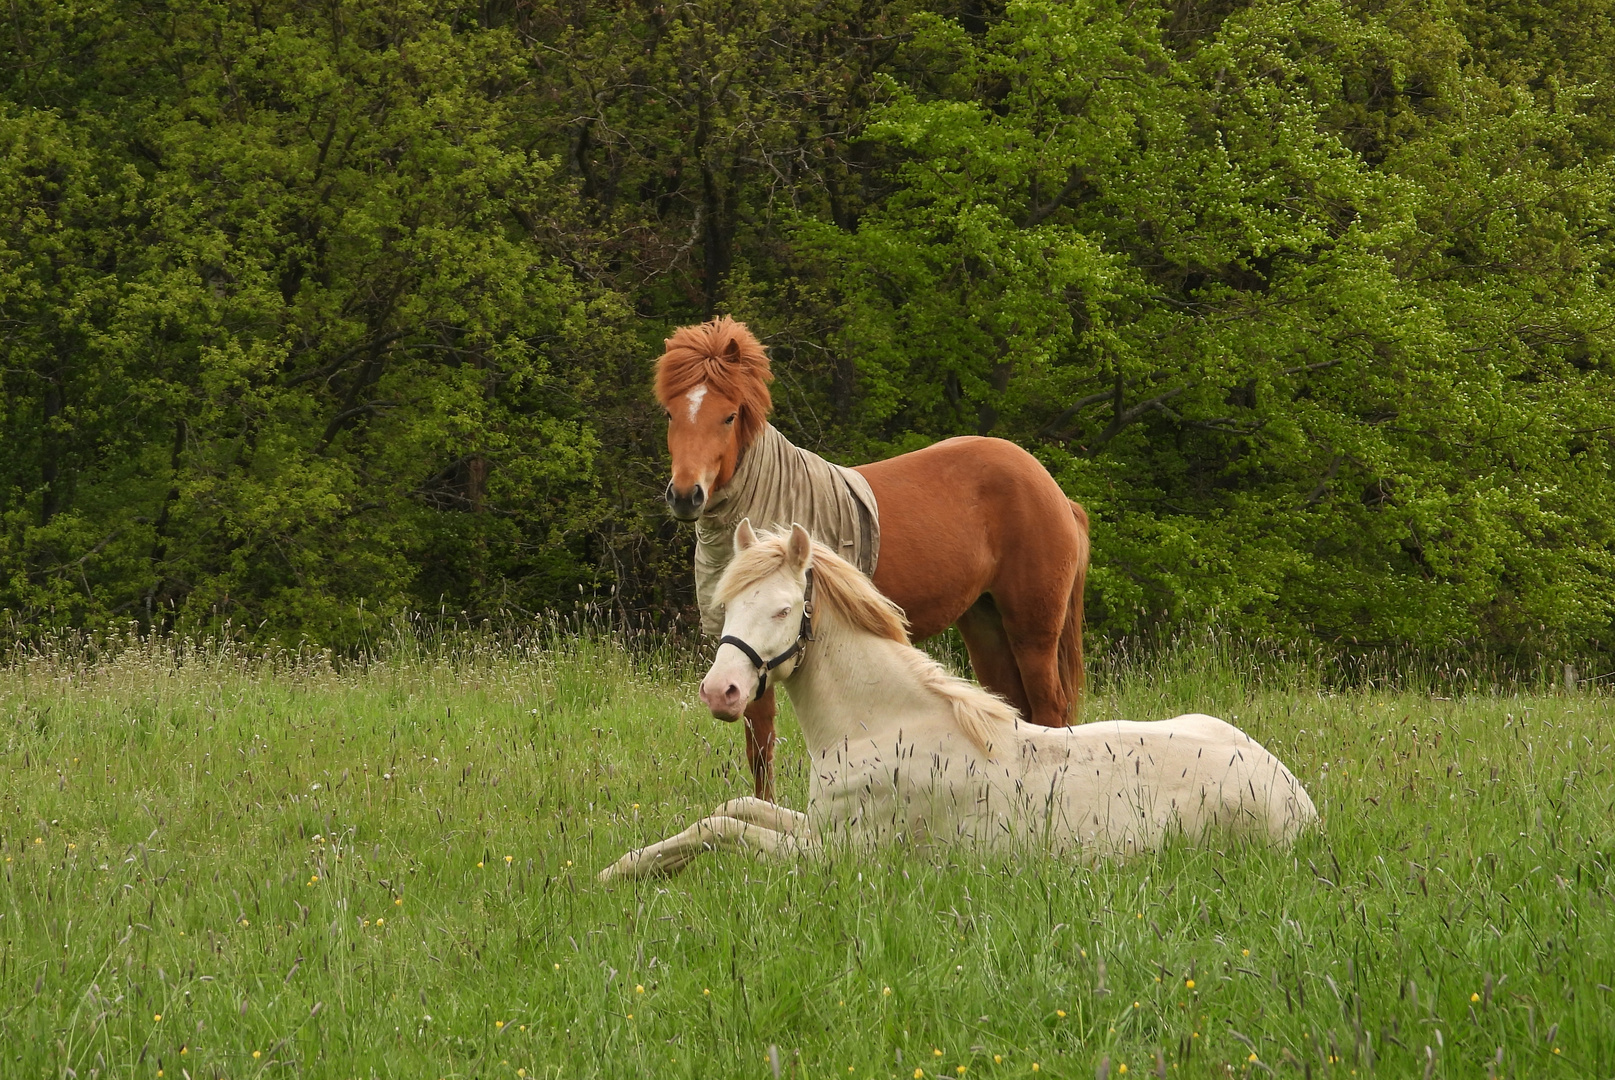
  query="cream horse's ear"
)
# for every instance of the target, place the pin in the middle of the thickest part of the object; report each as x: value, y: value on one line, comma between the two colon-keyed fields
x: 744, y: 537
x: 799, y: 548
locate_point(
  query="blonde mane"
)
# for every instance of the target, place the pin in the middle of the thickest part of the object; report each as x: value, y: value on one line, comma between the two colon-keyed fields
x: 723, y: 354
x: 839, y: 589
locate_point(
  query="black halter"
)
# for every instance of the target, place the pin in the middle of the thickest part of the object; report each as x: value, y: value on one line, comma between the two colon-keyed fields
x: 804, y: 634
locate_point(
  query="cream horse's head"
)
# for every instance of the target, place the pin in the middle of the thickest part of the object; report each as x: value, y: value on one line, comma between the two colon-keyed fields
x: 765, y: 625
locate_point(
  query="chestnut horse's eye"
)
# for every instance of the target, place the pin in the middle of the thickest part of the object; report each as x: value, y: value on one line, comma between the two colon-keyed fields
x: 730, y: 418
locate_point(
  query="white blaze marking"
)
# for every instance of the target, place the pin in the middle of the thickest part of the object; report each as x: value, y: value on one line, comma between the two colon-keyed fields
x: 695, y: 398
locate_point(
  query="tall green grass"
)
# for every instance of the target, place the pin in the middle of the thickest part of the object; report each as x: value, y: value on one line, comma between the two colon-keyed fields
x: 385, y: 868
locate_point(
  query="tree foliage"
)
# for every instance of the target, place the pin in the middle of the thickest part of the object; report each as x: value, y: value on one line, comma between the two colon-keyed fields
x: 314, y: 310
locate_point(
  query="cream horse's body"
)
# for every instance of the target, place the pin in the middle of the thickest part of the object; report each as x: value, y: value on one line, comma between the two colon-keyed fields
x: 903, y: 752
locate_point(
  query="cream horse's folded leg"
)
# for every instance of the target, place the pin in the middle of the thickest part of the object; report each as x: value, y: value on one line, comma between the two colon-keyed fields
x: 769, y: 815
x: 709, y: 834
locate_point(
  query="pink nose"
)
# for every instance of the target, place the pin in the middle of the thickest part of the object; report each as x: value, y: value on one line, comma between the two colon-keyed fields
x: 722, y: 696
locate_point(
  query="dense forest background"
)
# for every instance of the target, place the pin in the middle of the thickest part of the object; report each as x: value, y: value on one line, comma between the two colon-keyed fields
x: 313, y: 313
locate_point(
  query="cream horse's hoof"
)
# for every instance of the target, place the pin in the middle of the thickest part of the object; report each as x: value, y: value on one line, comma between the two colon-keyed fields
x: 640, y: 863
x: 621, y: 870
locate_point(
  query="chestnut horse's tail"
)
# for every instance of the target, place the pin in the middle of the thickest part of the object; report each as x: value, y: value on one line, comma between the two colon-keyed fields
x: 1070, y: 649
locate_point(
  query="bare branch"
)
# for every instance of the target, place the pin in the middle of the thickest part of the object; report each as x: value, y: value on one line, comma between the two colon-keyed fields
x: 1124, y: 419
x: 1039, y: 213
x: 1328, y: 476
x: 1073, y: 409
x: 1319, y: 366
x: 340, y: 419
x: 342, y: 358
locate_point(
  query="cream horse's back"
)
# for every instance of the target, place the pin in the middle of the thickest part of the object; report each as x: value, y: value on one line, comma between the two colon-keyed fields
x: 1123, y: 785
x: 1114, y: 787
x: 903, y: 752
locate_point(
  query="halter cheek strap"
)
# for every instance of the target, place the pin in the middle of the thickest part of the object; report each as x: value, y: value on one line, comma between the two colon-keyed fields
x: 804, y: 634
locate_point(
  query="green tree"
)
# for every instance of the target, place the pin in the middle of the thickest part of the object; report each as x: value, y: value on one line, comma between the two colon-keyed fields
x: 313, y: 309
x: 276, y: 297
x: 1307, y: 389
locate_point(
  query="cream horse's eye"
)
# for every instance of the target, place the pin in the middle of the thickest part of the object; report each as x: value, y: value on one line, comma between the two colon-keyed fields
x: 782, y: 612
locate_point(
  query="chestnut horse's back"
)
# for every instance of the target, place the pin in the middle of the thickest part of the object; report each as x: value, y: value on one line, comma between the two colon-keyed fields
x: 975, y: 531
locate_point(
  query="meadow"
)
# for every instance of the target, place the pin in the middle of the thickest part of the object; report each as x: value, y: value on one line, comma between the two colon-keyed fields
x: 219, y: 863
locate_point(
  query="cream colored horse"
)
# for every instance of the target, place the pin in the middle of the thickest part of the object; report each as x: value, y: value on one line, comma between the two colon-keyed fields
x: 904, y: 752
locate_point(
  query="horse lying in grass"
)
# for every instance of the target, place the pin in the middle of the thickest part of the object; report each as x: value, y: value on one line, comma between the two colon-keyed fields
x: 903, y: 752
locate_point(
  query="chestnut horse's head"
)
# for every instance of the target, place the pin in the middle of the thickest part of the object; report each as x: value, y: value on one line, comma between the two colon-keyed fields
x: 713, y: 381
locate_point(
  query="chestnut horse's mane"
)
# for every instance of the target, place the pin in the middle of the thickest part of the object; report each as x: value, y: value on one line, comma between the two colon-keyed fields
x: 839, y: 587
x: 726, y: 356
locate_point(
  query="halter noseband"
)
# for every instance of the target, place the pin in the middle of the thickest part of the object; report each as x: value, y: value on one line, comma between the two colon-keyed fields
x: 804, y: 634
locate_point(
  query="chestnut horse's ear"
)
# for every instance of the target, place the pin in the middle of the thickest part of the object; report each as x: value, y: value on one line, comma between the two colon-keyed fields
x: 732, y: 349
x: 744, y: 537
x: 799, y: 548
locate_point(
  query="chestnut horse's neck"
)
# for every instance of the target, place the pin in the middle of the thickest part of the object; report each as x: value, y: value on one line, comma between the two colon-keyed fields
x: 777, y: 485
x: 733, y: 488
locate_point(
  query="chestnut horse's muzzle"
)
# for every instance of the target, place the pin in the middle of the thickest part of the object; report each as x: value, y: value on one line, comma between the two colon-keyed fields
x: 685, y: 507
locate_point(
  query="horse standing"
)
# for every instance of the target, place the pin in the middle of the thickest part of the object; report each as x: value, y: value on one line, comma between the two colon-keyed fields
x: 904, y: 752
x: 973, y: 531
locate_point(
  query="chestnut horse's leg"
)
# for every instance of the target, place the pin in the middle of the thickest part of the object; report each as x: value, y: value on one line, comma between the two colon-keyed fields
x: 991, y: 657
x: 1033, y: 616
x: 1035, y: 643
x: 760, y: 743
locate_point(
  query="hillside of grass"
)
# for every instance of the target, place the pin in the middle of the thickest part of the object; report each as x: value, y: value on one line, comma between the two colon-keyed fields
x: 225, y: 864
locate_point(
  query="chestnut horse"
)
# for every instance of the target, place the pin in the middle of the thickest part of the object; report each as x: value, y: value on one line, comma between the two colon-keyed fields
x: 974, y: 532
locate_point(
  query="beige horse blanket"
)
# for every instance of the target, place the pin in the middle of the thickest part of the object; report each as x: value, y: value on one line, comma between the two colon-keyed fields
x: 777, y: 485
